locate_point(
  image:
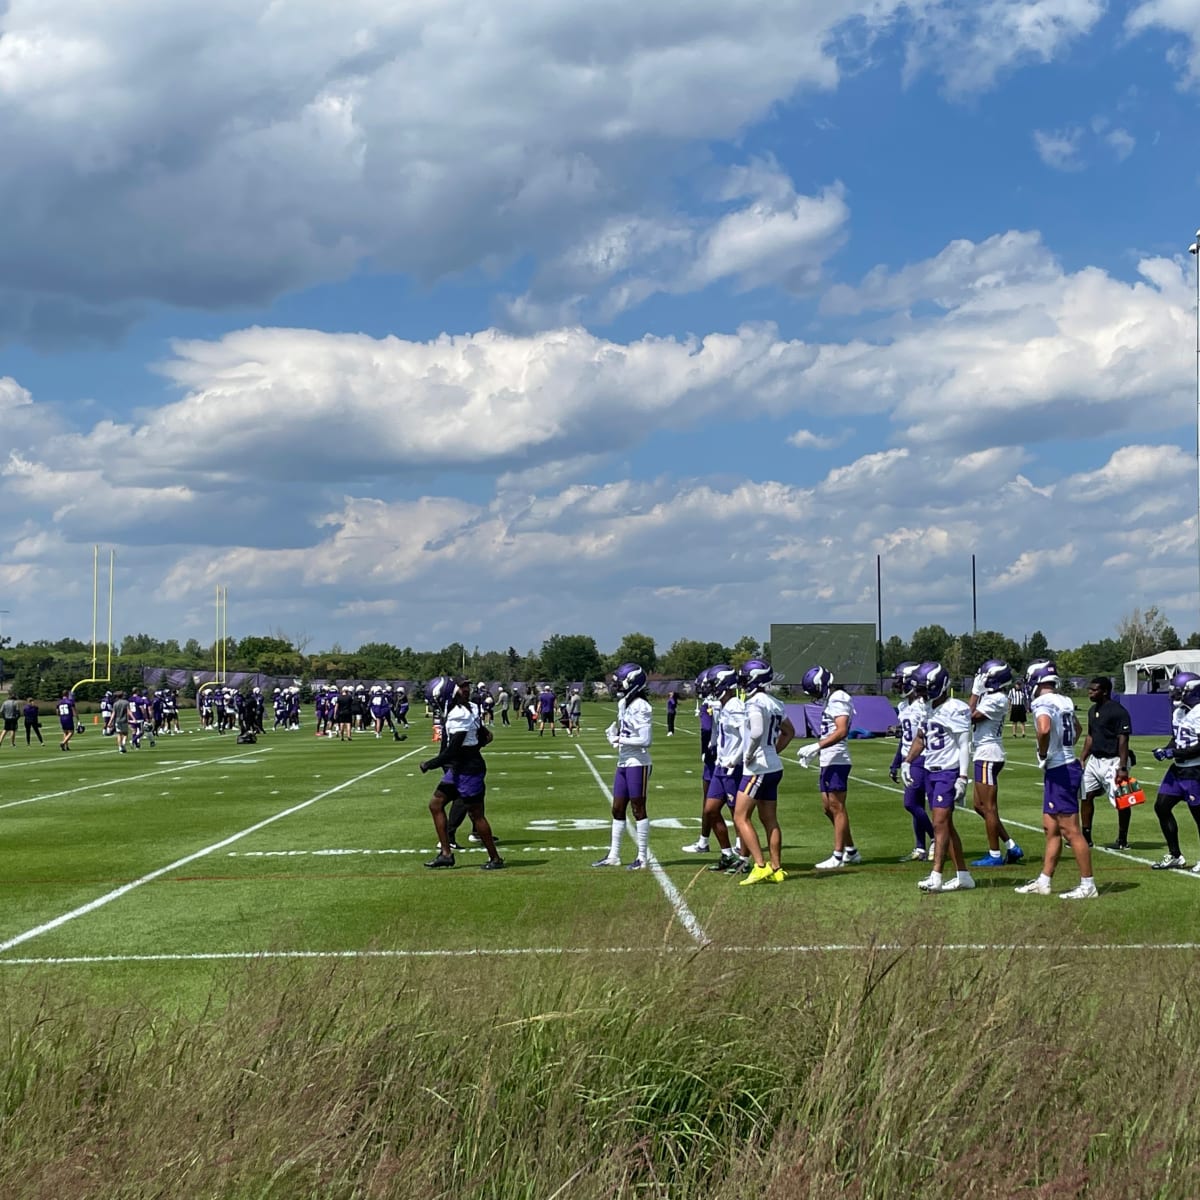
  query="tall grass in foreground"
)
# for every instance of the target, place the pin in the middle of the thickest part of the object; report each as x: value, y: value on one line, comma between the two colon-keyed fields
x: 878, y: 1074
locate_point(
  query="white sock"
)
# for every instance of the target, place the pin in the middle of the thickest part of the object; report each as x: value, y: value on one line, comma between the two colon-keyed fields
x: 643, y: 839
x: 1043, y: 878
x: 1011, y: 844
x: 614, y: 846
x: 995, y: 854
x: 1088, y: 880
x: 935, y: 877
x: 963, y: 876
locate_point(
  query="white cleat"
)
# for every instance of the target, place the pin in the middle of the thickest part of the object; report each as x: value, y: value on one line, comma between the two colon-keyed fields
x: 930, y: 884
x: 699, y: 846
x: 832, y: 863
x: 1035, y: 887
x: 958, y: 885
x: 1085, y: 891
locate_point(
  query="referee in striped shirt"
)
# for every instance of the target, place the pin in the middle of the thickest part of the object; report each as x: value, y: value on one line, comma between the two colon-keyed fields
x: 1016, y: 709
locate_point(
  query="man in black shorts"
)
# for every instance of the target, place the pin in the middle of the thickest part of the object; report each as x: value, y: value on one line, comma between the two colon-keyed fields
x: 1016, y: 710
x: 10, y: 710
x: 1106, y: 758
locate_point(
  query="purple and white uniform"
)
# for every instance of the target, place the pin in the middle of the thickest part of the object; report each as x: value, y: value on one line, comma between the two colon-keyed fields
x: 468, y: 770
x: 66, y: 713
x: 762, y: 767
x: 729, y: 728
x: 631, y: 736
x: 946, y: 732
x: 988, y: 736
x: 1060, y: 790
x: 835, y: 760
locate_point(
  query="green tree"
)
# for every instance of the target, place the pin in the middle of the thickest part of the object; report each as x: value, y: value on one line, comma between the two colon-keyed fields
x: 638, y: 648
x: 571, y: 656
x: 745, y: 647
x: 687, y: 658
x: 930, y: 643
x: 193, y: 652
x: 1036, y: 646
x: 895, y: 651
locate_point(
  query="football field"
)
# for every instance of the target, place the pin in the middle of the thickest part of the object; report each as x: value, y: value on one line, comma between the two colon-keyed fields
x: 199, y: 851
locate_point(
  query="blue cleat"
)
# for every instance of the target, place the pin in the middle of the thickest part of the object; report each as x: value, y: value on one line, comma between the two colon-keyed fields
x: 1015, y: 855
x: 989, y: 860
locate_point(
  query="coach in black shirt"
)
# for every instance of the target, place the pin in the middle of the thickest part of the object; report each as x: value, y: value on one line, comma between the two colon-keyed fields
x: 1106, y: 757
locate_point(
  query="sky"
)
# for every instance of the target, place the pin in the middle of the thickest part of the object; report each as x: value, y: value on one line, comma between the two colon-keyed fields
x: 484, y: 321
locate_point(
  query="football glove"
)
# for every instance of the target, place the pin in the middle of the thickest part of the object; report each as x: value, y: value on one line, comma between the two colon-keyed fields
x: 906, y: 774
x: 894, y: 773
x: 425, y: 766
x: 1164, y: 752
x: 979, y: 685
x: 806, y: 754
x: 960, y: 789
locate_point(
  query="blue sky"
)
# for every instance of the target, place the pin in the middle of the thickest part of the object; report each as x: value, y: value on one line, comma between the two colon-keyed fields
x: 489, y: 321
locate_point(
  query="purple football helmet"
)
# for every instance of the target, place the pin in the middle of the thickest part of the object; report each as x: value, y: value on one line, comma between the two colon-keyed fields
x: 754, y: 675
x: 721, y: 679
x: 904, y: 678
x: 439, y: 691
x: 934, y: 679
x: 817, y: 681
x: 629, y: 680
x: 1039, y: 672
x: 1189, y: 694
x: 997, y: 674
x: 703, y: 685
x: 1179, y: 681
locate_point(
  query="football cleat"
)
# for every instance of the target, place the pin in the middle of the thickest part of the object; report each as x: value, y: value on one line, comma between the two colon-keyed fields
x: 493, y: 864
x: 440, y: 862
x: 607, y: 862
x: 1085, y: 891
x: 1014, y: 854
x: 930, y: 883
x: 989, y: 860
x: 1035, y: 887
x: 636, y: 865
x: 851, y: 858
x: 832, y: 863
x: 778, y: 876
x: 699, y: 846
x: 958, y: 885
x: 758, y: 875
x: 727, y: 862
x: 1170, y: 862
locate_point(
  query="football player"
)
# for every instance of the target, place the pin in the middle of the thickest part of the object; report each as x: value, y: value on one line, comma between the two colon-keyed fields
x: 630, y: 735
x: 1182, y: 780
x: 767, y: 731
x: 911, y: 712
x: 833, y: 754
x: 989, y: 707
x: 944, y: 737
x: 1056, y: 729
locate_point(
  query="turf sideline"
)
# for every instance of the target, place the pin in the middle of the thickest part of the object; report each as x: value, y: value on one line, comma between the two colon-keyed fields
x: 683, y: 914
x: 1055, y: 948
x: 117, y: 893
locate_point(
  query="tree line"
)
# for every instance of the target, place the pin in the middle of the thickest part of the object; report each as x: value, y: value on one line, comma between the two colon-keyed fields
x: 45, y: 668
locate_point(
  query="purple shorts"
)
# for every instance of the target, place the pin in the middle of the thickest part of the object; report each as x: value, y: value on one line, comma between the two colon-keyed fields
x: 631, y: 783
x: 763, y: 788
x: 939, y: 787
x: 988, y: 772
x: 725, y: 785
x: 1060, y: 792
x: 458, y: 783
x: 1173, y: 787
x: 706, y: 777
x: 914, y: 793
x: 834, y: 778
x: 67, y: 723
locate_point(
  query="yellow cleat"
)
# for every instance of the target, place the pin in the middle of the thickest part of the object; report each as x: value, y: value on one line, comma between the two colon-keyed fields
x: 757, y: 875
x: 778, y: 876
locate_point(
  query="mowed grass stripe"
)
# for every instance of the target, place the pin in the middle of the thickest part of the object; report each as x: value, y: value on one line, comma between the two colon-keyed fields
x: 117, y: 893
x: 185, y: 765
x: 683, y: 914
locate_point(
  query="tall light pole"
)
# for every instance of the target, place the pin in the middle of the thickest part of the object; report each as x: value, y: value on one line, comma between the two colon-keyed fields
x: 1194, y: 250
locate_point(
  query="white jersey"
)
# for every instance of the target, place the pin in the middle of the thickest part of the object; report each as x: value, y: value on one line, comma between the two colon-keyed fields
x: 1187, y: 732
x: 946, y: 732
x: 463, y: 718
x: 764, y: 719
x: 911, y: 714
x: 837, y: 705
x: 634, y: 733
x: 729, y: 724
x: 1064, y: 728
x: 1179, y: 714
x: 989, y: 733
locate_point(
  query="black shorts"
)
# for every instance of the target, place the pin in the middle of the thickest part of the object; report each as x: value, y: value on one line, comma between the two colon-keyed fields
x: 10, y: 724
x: 1016, y: 714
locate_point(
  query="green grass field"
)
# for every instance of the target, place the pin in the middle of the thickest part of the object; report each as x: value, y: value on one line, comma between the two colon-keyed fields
x: 225, y: 972
x: 303, y: 845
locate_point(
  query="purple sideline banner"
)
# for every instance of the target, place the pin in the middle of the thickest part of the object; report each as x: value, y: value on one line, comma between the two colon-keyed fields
x: 874, y: 714
x: 1150, y: 715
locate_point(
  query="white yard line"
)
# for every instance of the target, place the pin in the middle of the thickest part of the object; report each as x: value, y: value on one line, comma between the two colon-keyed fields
x: 1034, y: 859
x: 683, y: 914
x: 117, y: 893
x: 119, y: 780
x: 1056, y: 948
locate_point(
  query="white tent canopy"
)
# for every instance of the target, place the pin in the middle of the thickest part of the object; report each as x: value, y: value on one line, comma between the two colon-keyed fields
x: 1168, y: 660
